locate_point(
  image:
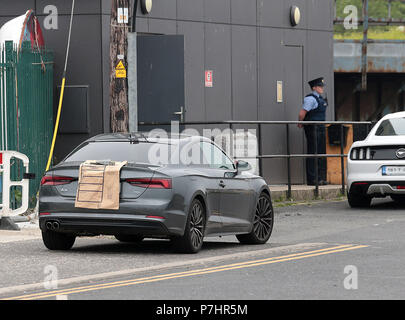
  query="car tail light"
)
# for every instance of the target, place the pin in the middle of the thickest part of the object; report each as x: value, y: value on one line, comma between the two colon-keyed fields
x: 151, y: 183
x: 368, y: 154
x: 354, y: 154
x: 361, y: 154
x: 400, y: 187
x: 55, y: 180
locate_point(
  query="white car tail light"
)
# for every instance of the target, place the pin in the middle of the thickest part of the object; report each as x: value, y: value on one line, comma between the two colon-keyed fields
x: 354, y: 154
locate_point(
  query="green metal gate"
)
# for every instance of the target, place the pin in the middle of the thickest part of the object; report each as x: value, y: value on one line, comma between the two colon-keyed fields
x: 26, y: 100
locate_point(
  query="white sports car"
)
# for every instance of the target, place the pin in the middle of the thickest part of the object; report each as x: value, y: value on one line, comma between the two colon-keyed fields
x: 376, y: 165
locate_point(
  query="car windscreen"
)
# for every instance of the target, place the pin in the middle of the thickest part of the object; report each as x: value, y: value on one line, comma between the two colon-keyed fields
x: 391, y: 127
x: 141, y: 152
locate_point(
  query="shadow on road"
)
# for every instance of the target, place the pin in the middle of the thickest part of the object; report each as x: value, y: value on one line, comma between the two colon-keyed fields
x: 147, y: 246
x: 386, y: 203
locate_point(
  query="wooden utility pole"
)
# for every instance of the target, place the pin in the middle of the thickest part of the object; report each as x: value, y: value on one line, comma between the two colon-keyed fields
x: 118, y: 81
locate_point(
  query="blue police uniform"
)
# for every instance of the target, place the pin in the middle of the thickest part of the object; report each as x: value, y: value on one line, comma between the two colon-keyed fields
x: 316, y: 106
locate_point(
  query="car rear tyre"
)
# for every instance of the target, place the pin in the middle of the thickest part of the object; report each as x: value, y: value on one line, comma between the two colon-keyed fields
x: 262, y: 222
x: 57, y: 241
x: 358, y: 200
x: 129, y: 238
x: 192, y: 240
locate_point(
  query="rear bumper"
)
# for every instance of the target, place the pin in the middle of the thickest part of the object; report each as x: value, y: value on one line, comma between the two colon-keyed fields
x: 366, y: 177
x: 378, y: 188
x: 108, y: 224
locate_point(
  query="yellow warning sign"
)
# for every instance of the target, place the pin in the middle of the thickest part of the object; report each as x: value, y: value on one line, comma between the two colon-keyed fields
x: 120, y: 71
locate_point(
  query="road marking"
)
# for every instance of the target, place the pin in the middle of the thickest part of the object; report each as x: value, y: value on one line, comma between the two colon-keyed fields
x: 246, y: 264
x: 169, y: 265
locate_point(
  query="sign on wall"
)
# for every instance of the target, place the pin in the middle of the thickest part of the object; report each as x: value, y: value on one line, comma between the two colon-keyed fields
x: 208, y: 79
x: 279, y: 91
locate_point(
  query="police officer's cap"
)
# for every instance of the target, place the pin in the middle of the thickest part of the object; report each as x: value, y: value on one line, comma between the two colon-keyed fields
x: 319, y: 82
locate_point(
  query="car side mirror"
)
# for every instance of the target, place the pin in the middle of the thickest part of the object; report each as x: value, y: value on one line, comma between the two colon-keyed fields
x: 242, y: 166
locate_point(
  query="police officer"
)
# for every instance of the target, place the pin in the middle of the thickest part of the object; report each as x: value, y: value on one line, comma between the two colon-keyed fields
x: 314, y: 109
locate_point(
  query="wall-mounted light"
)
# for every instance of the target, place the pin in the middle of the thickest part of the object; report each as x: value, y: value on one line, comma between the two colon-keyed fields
x: 295, y: 15
x: 146, y: 6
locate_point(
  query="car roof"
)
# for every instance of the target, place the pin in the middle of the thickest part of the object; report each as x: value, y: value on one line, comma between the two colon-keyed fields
x: 169, y: 138
x: 394, y: 115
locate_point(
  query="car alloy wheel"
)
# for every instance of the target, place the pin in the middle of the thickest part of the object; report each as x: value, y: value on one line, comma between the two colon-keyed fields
x: 192, y: 240
x: 262, y: 222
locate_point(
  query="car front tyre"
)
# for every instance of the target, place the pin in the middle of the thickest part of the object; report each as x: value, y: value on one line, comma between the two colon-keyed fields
x: 192, y: 240
x: 262, y: 222
x: 358, y: 201
x: 57, y: 241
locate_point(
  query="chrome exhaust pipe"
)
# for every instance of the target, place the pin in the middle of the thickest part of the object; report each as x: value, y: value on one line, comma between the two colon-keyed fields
x: 49, y: 225
x: 55, y: 225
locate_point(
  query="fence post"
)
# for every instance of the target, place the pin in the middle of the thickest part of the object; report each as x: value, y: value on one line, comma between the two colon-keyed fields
x: 259, y: 138
x: 316, y: 162
x: 288, y: 162
x: 342, y: 160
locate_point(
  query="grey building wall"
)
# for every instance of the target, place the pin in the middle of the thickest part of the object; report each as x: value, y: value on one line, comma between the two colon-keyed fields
x: 249, y: 45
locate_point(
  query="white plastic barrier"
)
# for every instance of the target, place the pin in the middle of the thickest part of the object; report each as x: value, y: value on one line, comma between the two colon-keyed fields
x: 5, y: 169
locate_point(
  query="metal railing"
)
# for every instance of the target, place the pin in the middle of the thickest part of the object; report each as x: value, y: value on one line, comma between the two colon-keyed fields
x: 287, y: 156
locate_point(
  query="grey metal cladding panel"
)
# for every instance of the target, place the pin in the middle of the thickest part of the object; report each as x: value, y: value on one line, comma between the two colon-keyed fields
x: 106, y: 7
x: 295, y: 37
x: 320, y: 14
x: 218, y: 59
x: 244, y: 12
x: 274, y: 142
x: 15, y: 8
x: 244, y: 73
x: 190, y: 10
x: 162, y: 26
x: 142, y: 25
x: 270, y: 70
x: 65, y: 7
x: 85, y: 59
x: 217, y: 11
x: 270, y: 13
x: 194, y: 69
x: 75, y: 111
x: 320, y: 62
x: 164, y: 9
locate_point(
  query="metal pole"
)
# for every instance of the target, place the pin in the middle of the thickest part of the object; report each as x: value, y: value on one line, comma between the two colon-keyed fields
x: 342, y: 160
x: 288, y: 162
x: 259, y: 138
x: 364, y: 47
x: 316, y: 162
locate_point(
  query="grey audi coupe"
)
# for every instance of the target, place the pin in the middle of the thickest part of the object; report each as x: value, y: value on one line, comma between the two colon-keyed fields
x: 182, y: 188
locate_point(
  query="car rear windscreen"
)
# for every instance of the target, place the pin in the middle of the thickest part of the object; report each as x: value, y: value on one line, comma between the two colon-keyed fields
x: 391, y: 127
x: 119, y: 151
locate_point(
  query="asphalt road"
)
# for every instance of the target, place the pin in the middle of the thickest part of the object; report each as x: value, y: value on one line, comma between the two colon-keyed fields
x: 319, y: 251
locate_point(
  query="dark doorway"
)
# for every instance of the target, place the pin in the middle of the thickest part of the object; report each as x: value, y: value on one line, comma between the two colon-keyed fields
x: 160, y: 78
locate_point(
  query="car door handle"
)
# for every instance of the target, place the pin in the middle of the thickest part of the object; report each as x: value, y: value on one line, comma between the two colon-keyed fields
x: 222, y: 184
